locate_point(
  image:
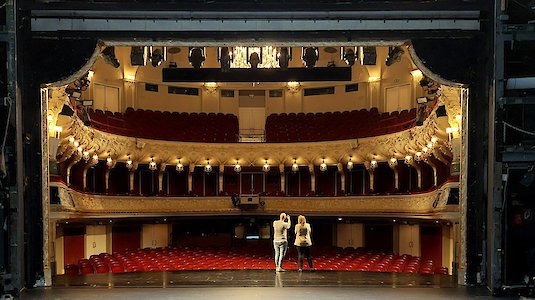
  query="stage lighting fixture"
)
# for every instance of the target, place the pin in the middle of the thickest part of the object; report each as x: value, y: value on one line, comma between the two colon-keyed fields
x: 196, y: 57
x: 284, y: 56
x: 138, y: 56
x: 157, y: 55
x: 368, y: 56
x: 394, y: 55
x: 225, y: 58
x: 109, y: 57
x: 255, y: 58
x: 529, y: 177
x: 349, y: 55
x: 310, y: 56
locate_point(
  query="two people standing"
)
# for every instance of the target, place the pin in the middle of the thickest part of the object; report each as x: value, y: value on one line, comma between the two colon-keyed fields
x: 303, y: 242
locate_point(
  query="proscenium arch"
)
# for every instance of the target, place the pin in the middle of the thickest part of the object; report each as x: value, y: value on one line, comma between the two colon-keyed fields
x: 59, y: 69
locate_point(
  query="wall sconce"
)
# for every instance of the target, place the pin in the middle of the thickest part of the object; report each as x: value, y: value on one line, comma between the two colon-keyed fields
x: 416, y: 74
x: 408, y: 160
x: 129, y: 78
x: 373, y: 164
x: 179, y: 167
x: 418, y: 156
x: 373, y: 79
x: 323, y: 166
x: 350, y: 163
x: 152, y: 165
x: 393, y: 162
x: 295, y: 166
x: 85, y: 155
x: 109, y: 161
x: 207, y: 168
x: 80, y: 149
x: 95, y: 157
x: 76, y: 144
x: 57, y: 131
x: 129, y: 163
x: 210, y: 87
x: 293, y: 87
x: 434, y: 139
x: 237, y: 167
x: 266, y: 167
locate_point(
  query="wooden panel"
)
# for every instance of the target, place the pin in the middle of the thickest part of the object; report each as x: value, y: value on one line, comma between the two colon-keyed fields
x: 409, y: 239
x: 126, y: 237
x: 73, y: 246
x: 95, y: 240
x: 431, y: 244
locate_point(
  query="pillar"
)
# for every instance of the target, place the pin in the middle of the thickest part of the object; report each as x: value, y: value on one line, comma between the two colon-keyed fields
x: 312, y: 178
x: 281, y: 171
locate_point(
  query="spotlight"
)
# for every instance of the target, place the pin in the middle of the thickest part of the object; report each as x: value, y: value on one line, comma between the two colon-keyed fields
x: 255, y: 58
x: 284, y: 56
x: 109, y: 57
x: 196, y: 57
x: 225, y: 58
x: 349, y: 55
x: 394, y: 55
x: 368, y: 56
x: 138, y: 56
x: 157, y: 55
x: 310, y: 56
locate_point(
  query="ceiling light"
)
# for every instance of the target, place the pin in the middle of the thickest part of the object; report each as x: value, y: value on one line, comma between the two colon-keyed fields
x: 152, y: 165
x: 295, y: 166
x: 323, y: 166
x: 237, y: 167
x: 208, y: 168
x: 179, y: 166
x: 266, y: 167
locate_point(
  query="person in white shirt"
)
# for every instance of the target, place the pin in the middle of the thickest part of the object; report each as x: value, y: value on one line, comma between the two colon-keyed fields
x: 303, y: 242
x: 280, y: 239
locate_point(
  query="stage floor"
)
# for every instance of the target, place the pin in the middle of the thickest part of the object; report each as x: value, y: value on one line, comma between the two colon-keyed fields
x: 255, y: 278
x: 256, y: 284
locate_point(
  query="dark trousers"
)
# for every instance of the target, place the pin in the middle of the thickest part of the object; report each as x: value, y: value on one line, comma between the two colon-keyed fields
x: 302, y: 251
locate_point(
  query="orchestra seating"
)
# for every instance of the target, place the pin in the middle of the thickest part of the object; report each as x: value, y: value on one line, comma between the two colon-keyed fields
x: 336, y: 125
x: 255, y: 257
x: 190, y: 127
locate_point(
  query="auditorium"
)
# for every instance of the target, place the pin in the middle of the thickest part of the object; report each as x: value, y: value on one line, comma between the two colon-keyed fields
x: 150, y: 144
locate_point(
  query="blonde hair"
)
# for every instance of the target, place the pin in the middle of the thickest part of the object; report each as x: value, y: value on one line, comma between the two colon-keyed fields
x: 301, y: 220
x: 282, y: 216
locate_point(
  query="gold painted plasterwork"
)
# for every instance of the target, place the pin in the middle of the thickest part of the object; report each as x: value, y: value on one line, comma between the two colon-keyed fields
x: 380, y: 148
x: 431, y: 204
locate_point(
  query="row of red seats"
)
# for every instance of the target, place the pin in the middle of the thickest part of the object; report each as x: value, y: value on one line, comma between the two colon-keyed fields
x: 194, y: 127
x: 336, y: 126
x: 195, y: 258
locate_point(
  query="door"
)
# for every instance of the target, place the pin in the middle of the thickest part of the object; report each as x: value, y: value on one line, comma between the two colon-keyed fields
x: 73, y: 245
x: 398, y: 98
x: 106, y: 98
x: 409, y: 239
x: 431, y: 244
x: 155, y: 235
x: 95, y: 240
x: 125, y: 237
x: 349, y: 235
x: 252, y: 120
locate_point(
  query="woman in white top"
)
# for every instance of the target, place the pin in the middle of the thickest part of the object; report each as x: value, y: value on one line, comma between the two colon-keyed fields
x: 303, y: 242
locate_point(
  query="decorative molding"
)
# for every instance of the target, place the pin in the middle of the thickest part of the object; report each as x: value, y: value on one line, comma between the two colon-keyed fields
x: 431, y: 205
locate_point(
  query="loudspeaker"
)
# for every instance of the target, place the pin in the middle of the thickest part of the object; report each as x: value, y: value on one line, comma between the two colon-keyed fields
x: 66, y: 111
x: 369, y: 56
x: 441, y: 111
